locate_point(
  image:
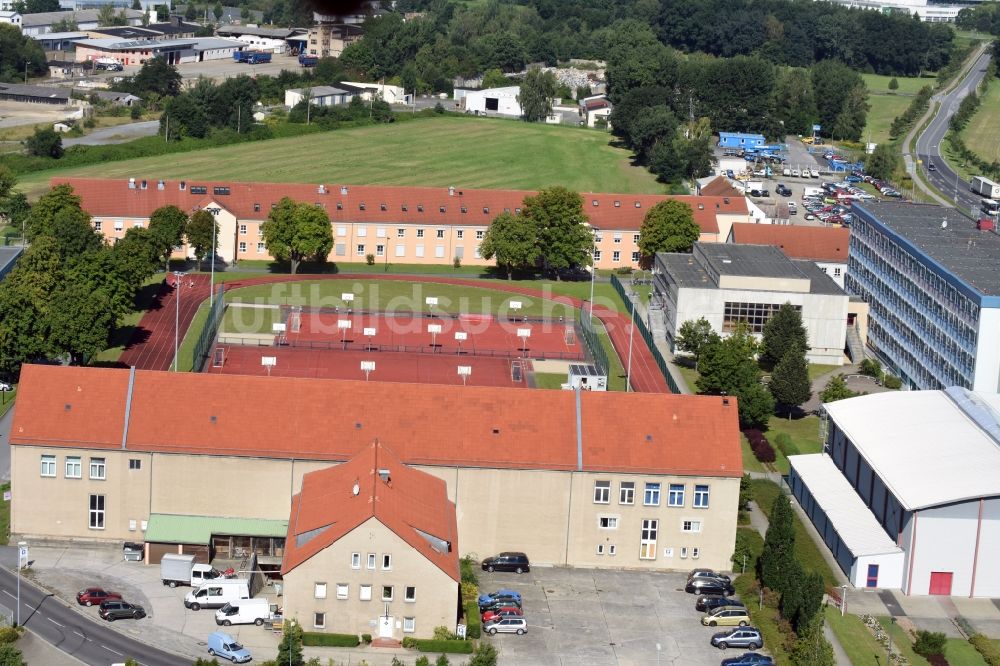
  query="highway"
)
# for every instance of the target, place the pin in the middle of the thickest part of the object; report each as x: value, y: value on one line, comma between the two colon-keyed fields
x: 90, y: 641
x: 929, y: 144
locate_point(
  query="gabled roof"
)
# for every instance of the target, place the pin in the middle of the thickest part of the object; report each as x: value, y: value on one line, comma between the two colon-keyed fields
x: 720, y: 187
x: 78, y: 16
x: 411, y: 503
x: 104, y: 197
x: 319, y: 419
x: 797, y: 242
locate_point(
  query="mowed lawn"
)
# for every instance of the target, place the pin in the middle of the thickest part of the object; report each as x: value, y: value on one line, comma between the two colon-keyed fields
x: 885, y: 106
x: 982, y: 135
x: 438, y: 152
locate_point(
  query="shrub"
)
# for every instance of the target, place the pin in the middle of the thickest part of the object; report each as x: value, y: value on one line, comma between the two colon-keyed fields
x: 136, y: 112
x: 366, y: 638
x: 434, y: 645
x: 9, y: 634
x: 929, y: 643
x: 786, y: 445
x: 468, y: 566
x: 871, y: 367
x: 990, y: 653
x: 444, y: 634
x: 892, y: 382
x: 317, y: 639
x: 624, y: 270
x: 762, y: 449
x: 456, y: 262
x: 473, y: 621
x: 370, y: 259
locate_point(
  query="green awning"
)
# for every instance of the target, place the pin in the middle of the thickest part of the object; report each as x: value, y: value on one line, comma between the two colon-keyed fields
x: 171, y: 528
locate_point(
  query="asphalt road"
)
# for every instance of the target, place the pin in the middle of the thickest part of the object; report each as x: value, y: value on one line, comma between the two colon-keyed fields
x: 87, y: 640
x: 929, y: 143
x: 116, y: 134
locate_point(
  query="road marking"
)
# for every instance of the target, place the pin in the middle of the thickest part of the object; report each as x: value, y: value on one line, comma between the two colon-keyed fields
x: 9, y: 595
x: 53, y: 622
x: 112, y: 651
x: 80, y: 635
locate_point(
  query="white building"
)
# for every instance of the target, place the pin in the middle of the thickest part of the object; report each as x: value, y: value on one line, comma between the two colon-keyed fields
x: 318, y: 96
x: 926, y: 10
x: 731, y: 285
x: 11, y: 17
x: 85, y: 19
x: 493, y: 101
x: 907, y: 494
x: 388, y: 94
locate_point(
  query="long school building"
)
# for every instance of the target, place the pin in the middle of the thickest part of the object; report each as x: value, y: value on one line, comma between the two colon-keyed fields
x: 412, y: 225
x: 108, y: 454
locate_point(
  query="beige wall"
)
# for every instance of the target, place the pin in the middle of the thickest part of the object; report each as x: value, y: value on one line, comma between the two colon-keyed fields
x: 436, y: 593
x: 551, y: 515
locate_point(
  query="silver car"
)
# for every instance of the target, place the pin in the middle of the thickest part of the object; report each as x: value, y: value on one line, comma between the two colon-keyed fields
x: 507, y: 625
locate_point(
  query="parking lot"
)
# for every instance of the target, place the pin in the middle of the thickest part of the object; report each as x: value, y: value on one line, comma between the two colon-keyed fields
x: 598, y: 616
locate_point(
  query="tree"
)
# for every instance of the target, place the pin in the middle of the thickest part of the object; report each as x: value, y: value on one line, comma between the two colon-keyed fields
x: 45, y: 142
x: 65, y: 24
x: 217, y: 11
x: 137, y: 5
x: 80, y: 321
x: 778, y: 555
x: 19, y: 52
x: 442, y: 660
x: 106, y: 15
x: 190, y: 13
x: 290, y: 647
x: 494, y: 78
x: 513, y: 240
x: 893, y: 84
x: 58, y: 214
x: 166, y: 230
x: 564, y: 240
x: 535, y: 97
x: 485, y: 655
x: 296, y: 231
x: 25, y: 295
x: 8, y: 180
x: 727, y: 367
x: 157, y: 76
x: 811, y: 591
x: 836, y: 389
x: 10, y: 655
x: 201, y: 233
x: 781, y: 331
x: 883, y: 162
x: 790, y: 384
x: 668, y: 226
x: 694, y: 336
x: 811, y: 648
x: 746, y: 492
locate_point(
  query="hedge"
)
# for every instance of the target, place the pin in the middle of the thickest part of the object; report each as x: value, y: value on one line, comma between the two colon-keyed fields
x: 762, y: 448
x: 431, y: 645
x: 473, y: 621
x: 317, y: 639
x: 986, y: 647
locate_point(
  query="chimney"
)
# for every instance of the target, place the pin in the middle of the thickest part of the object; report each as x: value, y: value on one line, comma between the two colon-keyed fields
x: 451, y: 191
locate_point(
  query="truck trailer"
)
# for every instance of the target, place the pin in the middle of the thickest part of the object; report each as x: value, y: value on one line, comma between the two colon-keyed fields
x: 307, y: 60
x: 985, y: 187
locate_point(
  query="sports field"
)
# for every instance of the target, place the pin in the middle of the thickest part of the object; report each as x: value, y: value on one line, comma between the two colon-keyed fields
x: 982, y: 135
x: 466, y: 152
x: 885, y: 106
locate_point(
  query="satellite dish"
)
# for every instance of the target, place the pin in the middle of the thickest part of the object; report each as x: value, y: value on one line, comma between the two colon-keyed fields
x: 944, y: 224
x: 356, y: 489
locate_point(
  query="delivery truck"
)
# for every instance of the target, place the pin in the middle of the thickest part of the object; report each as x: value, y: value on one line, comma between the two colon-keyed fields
x: 218, y: 593
x: 985, y: 187
x: 246, y: 611
x: 183, y: 570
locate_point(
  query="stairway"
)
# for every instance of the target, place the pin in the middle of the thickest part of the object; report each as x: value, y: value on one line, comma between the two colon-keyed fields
x: 855, y: 349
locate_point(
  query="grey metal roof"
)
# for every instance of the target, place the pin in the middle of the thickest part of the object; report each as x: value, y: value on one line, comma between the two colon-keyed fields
x: 321, y: 91
x: 970, y: 254
x: 275, y: 33
x: 41, y: 92
x: 128, y: 32
x: 8, y: 255
x: 80, y: 16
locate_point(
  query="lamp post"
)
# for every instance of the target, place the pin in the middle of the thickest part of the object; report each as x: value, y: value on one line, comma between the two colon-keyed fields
x: 631, y: 334
x: 22, y: 558
x: 593, y: 274
x: 291, y: 639
x: 215, y: 232
x: 178, y: 275
x: 843, y: 601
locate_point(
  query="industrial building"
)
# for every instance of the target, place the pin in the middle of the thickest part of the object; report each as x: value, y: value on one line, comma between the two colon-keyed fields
x: 907, y: 491
x: 492, y: 102
x: 737, y: 140
x: 318, y: 96
x: 85, y: 19
x: 133, y: 53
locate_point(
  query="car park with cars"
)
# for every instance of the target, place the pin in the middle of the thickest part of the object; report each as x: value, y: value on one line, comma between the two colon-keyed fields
x: 121, y: 610
x: 515, y: 562
x: 742, y: 637
x: 95, y: 595
x: 726, y: 616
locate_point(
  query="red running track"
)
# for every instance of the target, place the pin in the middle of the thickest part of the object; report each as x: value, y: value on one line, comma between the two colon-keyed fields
x: 152, y: 345
x: 646, y: 376
x: 389, y: 366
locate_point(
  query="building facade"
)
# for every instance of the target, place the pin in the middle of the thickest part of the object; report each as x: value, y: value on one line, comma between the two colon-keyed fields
x: 493, y: 101
x: 929, y: 278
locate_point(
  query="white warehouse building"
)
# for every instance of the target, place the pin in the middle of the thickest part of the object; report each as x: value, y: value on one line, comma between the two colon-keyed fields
x: 907, y: 492
x: 730, y: 285
x: 492, y: 101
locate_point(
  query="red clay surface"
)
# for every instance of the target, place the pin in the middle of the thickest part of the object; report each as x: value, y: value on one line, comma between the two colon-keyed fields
x: 484, y: 335
x: 437, y: 368
x: 646, y: 375
x: 152, y: 345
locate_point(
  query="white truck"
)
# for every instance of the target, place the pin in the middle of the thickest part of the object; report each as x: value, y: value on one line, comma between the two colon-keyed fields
x: 183, y: 570
x: 985, y: 187
x: 218, y: 593
x: 246, y: 611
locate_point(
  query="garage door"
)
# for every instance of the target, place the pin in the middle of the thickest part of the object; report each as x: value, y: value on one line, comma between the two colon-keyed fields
x: 941, y: 582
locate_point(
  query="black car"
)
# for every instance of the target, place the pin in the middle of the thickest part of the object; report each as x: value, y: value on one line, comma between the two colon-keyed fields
x: 516, y: 562
x: 783, y: 191
x: 121, y: 610
x: 709, y: 586
x: 497, y: 604
x: 748, y: 659
x: 706, y: 603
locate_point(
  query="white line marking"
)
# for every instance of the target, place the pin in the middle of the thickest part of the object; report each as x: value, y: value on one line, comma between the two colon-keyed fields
x: 53, y: 621
x: 9, y: 594
x: 79, y: 634
x: 112, y: 651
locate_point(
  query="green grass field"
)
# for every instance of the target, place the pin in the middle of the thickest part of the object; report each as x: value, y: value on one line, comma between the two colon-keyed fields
x: 982, y: 135
x: 804, y: 433
x: 885, y: 106
x: 908, y: 85
x: 857, y: 640
x: 465, y: 152
x: 549, y: 380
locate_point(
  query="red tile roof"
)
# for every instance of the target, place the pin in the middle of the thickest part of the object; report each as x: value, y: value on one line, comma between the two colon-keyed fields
x: 252, y: 201
x: 797, y: 242
x: 287, y: 417
x: 409, y: 502
x: 721, y: 187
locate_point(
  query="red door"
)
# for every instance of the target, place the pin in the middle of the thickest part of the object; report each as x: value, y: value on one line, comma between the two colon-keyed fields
x: 941, y: 582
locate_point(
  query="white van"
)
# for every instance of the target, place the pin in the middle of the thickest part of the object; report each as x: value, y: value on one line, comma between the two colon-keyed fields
x: 813, y: 192
x: 217, y: 593
x: 245, y: 611
x: 793, y: 209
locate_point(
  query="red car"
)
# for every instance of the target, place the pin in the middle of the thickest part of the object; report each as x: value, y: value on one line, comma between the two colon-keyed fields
x: 95, y: 595
x: 506, y: 611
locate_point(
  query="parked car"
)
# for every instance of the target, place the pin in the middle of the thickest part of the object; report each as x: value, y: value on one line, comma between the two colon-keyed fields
x: 748, y: 659
x: 814, y: 173
x: 225, y: 646
x: 121, y: 610
x: 706, y: 573
x: 727, y: 617
x: 506, y: 611
x: 516, y: 562
x: 4, y: 386
x: 743, y: 637
x: 792, y: 208
x: 706, y: 603
x: 782, y: 190
x: 786, y: 172
x: 497, y: 604
x: 796, y: 173
x: 709, y: 586
x: 507, y: 625
x: 95, y: 595
x: 854, y: 179
x: 500, y: 595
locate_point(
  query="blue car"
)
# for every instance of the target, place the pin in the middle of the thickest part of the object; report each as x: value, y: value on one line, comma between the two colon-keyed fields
x: 748, y: 659
x: 499, y: 595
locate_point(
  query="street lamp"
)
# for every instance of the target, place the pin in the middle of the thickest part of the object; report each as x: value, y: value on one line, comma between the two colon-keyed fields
x: 178, y: 275
x: 215, y: 232
x: 843, y: 600
x: 22, y: 559
x: 291, y: 638
x: 658, y: 648
x: 593, y: 274
x: 631, y: 334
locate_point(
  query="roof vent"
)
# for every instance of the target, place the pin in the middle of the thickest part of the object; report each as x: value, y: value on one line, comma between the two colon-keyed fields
x: 356, y: 490
x: 701, y: 206
x: 357, y: 426
x: 496, y: 431
x: 213, y: 418
x: 343, y: 189
x: 725, y: 200
x: 649, y: 438
x: 321, y: 189
x: 384, y: 475
x: 67, y: 407
x: 131, y: 183
x: 451, y: 191
x: 182, y: 185
x: 944, y: 224
x: 160, y: 185
x: 143, y: 184
x: 725, y: 401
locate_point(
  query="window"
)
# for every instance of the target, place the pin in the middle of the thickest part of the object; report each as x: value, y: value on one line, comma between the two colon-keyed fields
x: 256, y: 208
x: 651, y: 496
x: 668, y: 552
x: 480, y: 234
x: 355, y: 560
x: 371, y: 560
x: 362, y: 232
x: 607, y: 522
x: 460, y: 234
x: 836, y: 272
x: 419, y: 251
x: 626, y: 492
x: 701, y: 497
x: 440, y: 209
x: 400, y: 250
x: 405, y: 208
x: 361, y: 249
x: 635, y: 257
x: 691, y: 526
x: 386, y: 562
x: 618, y: 239
x: 440, y: 233
x: 411, y: 593
x: 420, y: 233
x: 684, y: 552
x: 383, y: 207
x: 98, y: 469
x: 400, y: 233
x: 74, y: 468
x: 97, y: 512
x: 243, y: 230
x: 600, y: 549
x: 343, y: 590
x: 365, y: 593
x: 380, y: 250
x: 319, y: 620
x: 618, y: 204
x: 602, y: 492
x: 97, y: 225
x: 647, y: 539
x: 612, y: 549
x: 260, y: 248
x: 464, y: 209
x: 616, y: 256
x: 420, y: 208
x: 220, y: 190
x: 597, y: 255
x: 695, y: 553
x: 319, y: 590
x: 598, y: 238
x: 754, y: 315
x: 439, y: 251
x: 48, y: 465
x: 341, y: 231
x: 119, y: 225
x: 486, y: 210
x: 135, y: 463
x: 243, y: 246
x: 340, y: 205
x: 676, y: 497
x: 387, y: 593
x: 409, y: 625
x: 361, y: 206
x: 635, y: 238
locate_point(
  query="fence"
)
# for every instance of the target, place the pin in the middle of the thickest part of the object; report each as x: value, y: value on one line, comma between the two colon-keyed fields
x: 338, y: 345
x: 647, y: 335
x: 206, y: 339
x: 593, y: 342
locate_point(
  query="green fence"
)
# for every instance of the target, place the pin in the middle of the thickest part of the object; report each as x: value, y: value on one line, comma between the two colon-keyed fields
x: 593, y: 342
x: 203, y: 346
x: 647, y: 335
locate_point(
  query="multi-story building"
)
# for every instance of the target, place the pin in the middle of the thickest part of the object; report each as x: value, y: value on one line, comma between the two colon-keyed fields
x: 930, y: 279
x: 412, y: 225
x: 732, y: 285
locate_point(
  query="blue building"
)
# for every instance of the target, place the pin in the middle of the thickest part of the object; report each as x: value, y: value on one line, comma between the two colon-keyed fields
x: 931, y: 282
x: 8, y: 257
x: 738, y: 140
